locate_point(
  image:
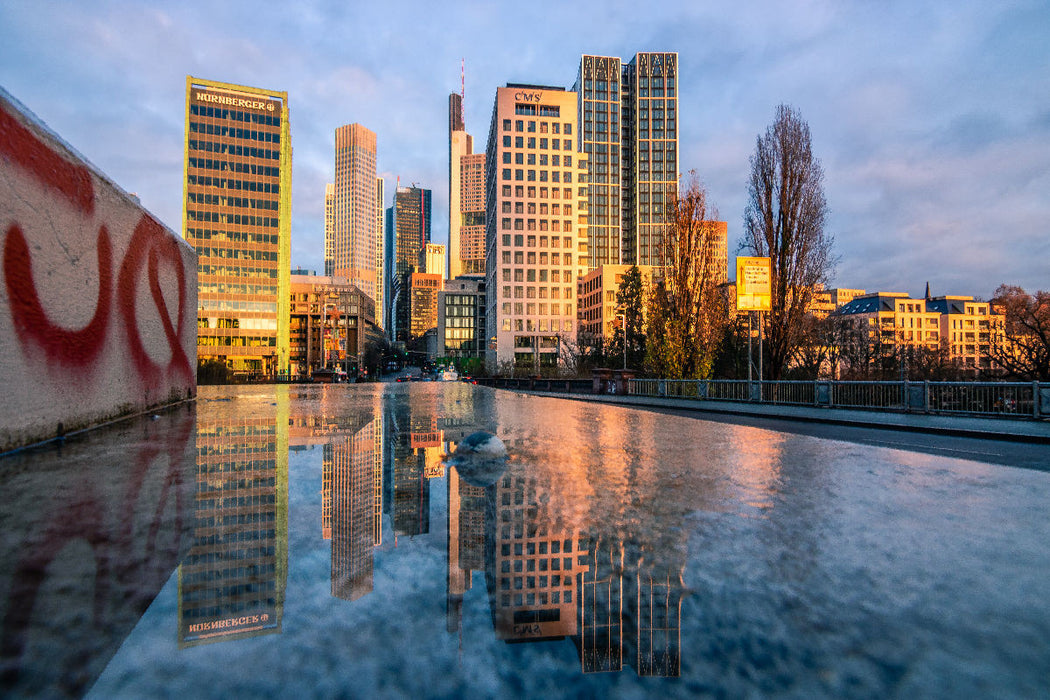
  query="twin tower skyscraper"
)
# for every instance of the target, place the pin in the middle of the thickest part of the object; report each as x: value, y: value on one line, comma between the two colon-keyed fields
x: 573, y: 180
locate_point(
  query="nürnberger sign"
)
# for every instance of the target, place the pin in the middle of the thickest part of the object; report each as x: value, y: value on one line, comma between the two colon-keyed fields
x: 228, y: 101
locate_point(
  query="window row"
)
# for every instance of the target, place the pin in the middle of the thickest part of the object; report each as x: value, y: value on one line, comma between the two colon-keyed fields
x: 231, y: 184
x: 242, y: 202
x: 235, y: 115
x: 529, y: 325
x: 530, y: 176
x: 223, y: 165
x: 222, y: 130
x: 529, y: 274
x: 533, y: 309
x: 544, y: 225
x: 544, y: 159
x: 520, y: 208
x: 555, y: 192
x: 236, y: 271
x: 233, y: 149
x: 531, y: 124
x: 207, y: 234
x: 249, y: 289
x: 520, y: 240
x: 544, y: 144
x: 236, y: 341
x: 534, y: 110
x: 235, y: 219
x: 533, y: 292
x: 237, y: 253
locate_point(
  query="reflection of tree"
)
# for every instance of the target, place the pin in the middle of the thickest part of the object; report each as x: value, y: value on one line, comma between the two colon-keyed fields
x: 586, y: 549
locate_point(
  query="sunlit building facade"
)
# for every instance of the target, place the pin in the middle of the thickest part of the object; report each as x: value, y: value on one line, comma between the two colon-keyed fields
x: 354, y: 209
x: 536, y: 226
x: 332, y: 323
x: 971, y: 329
x: 466, y: 193
x: 649, y: 170
x: 329, y: 229
x: 461, y: 319
x: 598, y: 93
x: 380, y: 238
x: 423, y: 294
x: 412, y: 226
x: 432, y: 259
x: 237, y: 216
x: 598, y: 307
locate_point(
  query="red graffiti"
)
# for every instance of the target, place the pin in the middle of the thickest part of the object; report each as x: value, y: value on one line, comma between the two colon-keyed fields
x: 73, y: 348
x: 150, y: 246
x: 150, y: 240
x: 53, y: 171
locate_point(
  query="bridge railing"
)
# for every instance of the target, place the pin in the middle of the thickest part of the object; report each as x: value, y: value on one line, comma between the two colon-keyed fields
x: 994, y: 399
x: 997, y: 399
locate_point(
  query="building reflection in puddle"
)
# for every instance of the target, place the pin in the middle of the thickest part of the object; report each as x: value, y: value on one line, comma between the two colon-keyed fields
x: 232, y: 582
x: 576, y: 543
x: 554, y: 569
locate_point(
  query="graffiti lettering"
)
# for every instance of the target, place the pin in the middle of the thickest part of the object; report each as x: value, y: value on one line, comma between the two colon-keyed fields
x: 150, y: 247
x: 67, y: 347
x: 149, y: 239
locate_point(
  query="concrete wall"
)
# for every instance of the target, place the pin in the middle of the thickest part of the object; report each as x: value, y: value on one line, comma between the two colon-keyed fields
x: 98, y: 299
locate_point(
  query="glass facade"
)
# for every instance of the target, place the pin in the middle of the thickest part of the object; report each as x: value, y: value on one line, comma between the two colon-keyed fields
x: 649, y: 93
x: 236, y: 215
x: 598, y: 93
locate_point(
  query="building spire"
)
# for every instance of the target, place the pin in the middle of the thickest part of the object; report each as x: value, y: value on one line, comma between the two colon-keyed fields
x: 927, y: 290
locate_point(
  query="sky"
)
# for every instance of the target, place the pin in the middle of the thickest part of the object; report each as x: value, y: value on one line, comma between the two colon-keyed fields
x: 931, y: 119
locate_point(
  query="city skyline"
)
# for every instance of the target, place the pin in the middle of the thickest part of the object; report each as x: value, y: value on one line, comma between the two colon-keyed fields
x: 931, y: 123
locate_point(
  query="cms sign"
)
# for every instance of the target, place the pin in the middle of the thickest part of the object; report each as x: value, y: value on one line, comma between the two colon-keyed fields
x: 527, y: 96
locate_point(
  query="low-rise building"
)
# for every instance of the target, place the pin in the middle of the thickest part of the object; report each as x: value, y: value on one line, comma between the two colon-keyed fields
x: 461, y: 320
x: 892, y: 319
x: 971, y: 328
x: 597, y: 307
x: 332, y: 322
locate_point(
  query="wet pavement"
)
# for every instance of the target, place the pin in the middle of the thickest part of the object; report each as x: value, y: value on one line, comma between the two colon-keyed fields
x: 328, y: 541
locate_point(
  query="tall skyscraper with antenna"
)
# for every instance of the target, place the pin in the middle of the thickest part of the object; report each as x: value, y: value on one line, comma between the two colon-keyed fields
x: 466, y: 194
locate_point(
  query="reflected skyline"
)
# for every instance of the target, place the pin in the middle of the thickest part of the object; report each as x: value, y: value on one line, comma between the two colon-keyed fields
x: 614, y: 552
x: 232, y: 582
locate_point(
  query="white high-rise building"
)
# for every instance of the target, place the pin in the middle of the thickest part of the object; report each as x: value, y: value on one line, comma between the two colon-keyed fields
x: 536, y: 227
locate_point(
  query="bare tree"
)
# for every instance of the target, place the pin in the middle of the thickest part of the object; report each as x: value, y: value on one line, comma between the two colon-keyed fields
x: 784, y: 220
x: 1024, y: 351
x: 688, y: 312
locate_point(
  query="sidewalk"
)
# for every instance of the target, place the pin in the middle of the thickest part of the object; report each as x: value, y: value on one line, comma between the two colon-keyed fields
x: 958, y: 426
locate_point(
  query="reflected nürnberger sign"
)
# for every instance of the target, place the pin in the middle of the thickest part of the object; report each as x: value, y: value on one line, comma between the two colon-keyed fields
x: 753, y: 291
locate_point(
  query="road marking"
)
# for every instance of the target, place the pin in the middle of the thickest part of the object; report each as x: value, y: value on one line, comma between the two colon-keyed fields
x: 914, y: 445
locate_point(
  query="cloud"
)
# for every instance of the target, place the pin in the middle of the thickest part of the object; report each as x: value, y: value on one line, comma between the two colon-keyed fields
x: 931, y: 120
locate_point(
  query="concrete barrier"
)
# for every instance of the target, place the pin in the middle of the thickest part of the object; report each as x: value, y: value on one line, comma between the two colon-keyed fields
x: 98, y: 299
